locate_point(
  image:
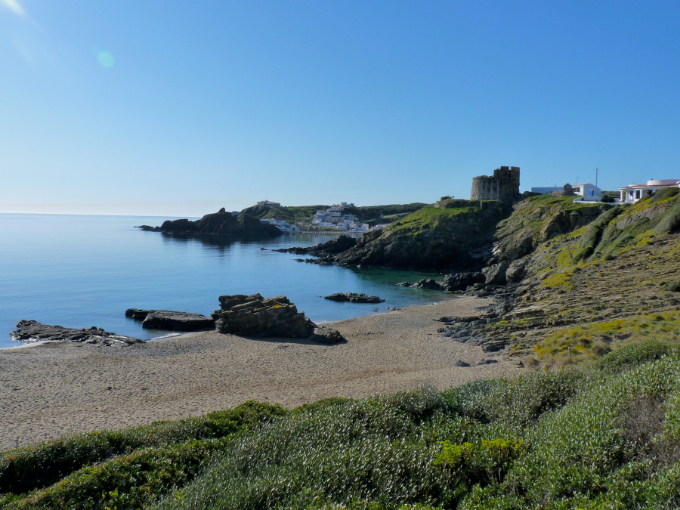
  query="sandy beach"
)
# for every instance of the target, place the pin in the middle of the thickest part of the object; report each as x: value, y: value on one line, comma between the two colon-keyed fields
x: 56, y: 389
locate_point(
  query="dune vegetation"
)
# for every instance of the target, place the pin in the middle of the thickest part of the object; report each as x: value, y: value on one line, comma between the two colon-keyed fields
x: 603, y: 437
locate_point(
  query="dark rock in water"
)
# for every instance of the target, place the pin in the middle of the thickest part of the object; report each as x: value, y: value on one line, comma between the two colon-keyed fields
x: 221, y: 222
x: 295, y: 249
x: 137, y: 314
x: 332, y: 247
x: 451, y: 282
x: 425, y: 283
x: 33, y: 331
x: 353, y: 297
x: 274, y: 317
x: 461, y: 364
x: 173, y: 321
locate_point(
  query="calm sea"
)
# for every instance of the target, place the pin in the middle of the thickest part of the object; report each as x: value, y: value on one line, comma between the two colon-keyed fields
x: 83, y: 271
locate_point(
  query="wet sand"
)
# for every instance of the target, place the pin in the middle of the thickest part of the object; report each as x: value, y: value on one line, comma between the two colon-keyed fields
x: 57, y: 389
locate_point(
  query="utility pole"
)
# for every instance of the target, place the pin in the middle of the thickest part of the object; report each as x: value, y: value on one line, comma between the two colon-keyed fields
x: 596, y: 172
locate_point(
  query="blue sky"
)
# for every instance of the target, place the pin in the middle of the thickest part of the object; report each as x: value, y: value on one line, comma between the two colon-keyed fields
x: 179, y: 108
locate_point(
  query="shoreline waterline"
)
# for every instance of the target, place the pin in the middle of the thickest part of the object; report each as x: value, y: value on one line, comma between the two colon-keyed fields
x: 59, y: 389
x: 96, y: 267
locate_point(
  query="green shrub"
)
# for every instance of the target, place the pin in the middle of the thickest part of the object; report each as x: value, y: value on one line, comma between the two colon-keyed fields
x: 633, y: 355
x: 671, y: 286
x: 130, y: 481
x: 40, y: 465
x: 605, y: 437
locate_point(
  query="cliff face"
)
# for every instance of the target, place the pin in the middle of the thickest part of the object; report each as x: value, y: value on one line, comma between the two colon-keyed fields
x: 539, y: 219
x: 432, y: 238
x: 220, y: 222
x: 624, y: 264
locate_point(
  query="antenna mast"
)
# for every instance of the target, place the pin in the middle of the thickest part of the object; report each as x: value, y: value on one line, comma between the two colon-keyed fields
x: 596, y: 172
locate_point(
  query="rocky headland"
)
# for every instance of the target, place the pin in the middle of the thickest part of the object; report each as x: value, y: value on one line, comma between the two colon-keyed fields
x: 221, y: 222
x: 549, y: 263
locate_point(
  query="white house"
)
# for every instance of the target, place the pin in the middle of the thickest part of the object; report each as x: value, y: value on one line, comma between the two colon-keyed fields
x: 586, y: 189
x: 635, y: 192
x: 270, y: 204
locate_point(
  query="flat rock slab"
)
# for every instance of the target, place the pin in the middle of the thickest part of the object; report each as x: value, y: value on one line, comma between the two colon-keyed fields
x: 34, y: 331
x: 353, y: 297
x: 170, y: 320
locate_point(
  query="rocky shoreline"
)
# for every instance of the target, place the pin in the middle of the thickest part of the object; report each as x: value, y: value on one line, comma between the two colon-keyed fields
x: 247, y: 316
x: 34, y: 331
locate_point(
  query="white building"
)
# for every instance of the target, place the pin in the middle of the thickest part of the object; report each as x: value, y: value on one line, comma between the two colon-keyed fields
x: 270, y: 204
x: 587, y: 189
x: 584, y: 189
x: 333, y: 217
x: 635, y: 192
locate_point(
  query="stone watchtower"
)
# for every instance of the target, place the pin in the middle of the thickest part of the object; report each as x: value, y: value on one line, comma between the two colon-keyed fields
x: 503, y: 185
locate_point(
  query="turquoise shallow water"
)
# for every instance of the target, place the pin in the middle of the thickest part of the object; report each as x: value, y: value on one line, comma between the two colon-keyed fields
x: 83, y: 271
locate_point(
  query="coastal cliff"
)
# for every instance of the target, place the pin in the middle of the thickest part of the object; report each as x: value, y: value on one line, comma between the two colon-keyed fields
x: 588, y: 291
x: 432, y: 238
x: 221, y: 222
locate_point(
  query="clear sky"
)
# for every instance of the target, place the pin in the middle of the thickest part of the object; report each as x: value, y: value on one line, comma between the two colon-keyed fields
x: 178, y: 108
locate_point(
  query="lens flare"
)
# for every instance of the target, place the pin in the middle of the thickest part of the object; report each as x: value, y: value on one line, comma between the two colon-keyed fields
x: 14, y: 6
x: 105, y: 59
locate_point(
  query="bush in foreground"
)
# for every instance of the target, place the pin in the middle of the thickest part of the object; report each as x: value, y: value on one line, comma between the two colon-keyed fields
x: 606, y: 437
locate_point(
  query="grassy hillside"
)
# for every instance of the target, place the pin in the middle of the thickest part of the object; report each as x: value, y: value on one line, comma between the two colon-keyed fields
x: 604, y: 438
x: 623, y: 266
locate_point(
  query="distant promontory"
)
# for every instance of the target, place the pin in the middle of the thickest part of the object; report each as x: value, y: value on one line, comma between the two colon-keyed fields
x: 221, y: 222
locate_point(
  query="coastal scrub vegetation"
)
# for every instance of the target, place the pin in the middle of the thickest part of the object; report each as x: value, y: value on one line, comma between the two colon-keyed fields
x: 605, y: 437
x: 586, y: 343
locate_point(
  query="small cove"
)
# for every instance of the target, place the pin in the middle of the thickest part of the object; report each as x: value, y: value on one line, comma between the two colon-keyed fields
x: 82, y: 271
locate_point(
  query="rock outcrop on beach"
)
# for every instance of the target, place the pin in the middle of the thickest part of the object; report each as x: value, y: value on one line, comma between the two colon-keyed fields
x: 170, y: 320
x: 273, y: 317
x: 221, y: 222
x: 34, y: 331
x: 353, y: 297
